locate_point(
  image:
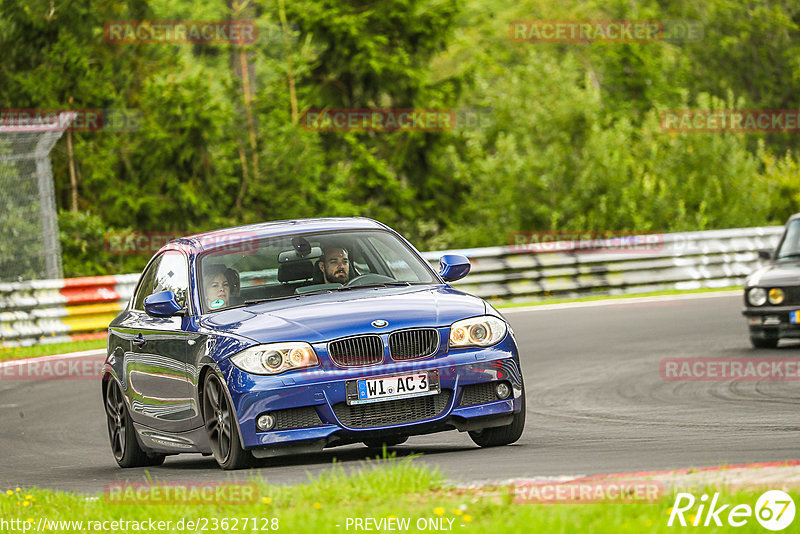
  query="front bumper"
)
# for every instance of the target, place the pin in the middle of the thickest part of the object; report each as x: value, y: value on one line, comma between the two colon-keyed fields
x: 772, y: 322
x: 316, y: 399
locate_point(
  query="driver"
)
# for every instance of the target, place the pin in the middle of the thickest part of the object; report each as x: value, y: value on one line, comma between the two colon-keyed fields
x: 335, y: 265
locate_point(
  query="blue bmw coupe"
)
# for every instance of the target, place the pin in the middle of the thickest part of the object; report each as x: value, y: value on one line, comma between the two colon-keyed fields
x: 292, y: 336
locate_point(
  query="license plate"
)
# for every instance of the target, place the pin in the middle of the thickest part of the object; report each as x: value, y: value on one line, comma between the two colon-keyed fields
x: 384, y: 388
x: 794, y: 317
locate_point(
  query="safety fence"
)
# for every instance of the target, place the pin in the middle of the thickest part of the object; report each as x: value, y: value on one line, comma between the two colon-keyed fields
x: 53, y: 311
x: 615, y: 266
x: 48, y: 311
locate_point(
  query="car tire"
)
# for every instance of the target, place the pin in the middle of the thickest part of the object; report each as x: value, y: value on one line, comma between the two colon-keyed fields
x: 221, y: 426
x: 388, y: 442
x: 121, y: 433
x: 502, y: 435
x: 764, y: 343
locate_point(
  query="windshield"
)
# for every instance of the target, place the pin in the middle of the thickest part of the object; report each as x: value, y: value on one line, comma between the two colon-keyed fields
x: 299, y: 265
x: 790, y: 248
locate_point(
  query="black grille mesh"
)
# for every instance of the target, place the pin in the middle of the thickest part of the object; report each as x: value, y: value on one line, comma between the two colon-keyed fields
x: 477, y: 394
x: 412, y: 344
x: 392, y: 412
x: 355, y: 351
x: 305, y: 417
x: 792, y: 296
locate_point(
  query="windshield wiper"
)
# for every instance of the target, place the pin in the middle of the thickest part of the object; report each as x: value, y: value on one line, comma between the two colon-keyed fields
x: 270, y: 299
x: 378, y: 284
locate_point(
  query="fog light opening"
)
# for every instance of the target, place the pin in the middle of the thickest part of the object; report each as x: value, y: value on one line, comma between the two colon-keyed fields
x: 265, y: 422
x: 502, y: 390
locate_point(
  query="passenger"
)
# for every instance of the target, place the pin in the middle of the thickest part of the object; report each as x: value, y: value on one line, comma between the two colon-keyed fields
x: 216, y: 286
x: 335, y: 265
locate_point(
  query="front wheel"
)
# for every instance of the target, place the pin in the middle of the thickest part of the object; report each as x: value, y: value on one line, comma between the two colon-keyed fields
x: 501, y: 435
x: 121, y: 433
x: 220, y: 425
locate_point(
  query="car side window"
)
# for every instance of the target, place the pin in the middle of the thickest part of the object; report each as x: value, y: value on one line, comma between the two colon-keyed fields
x: 146, y: 284
x: 173, y: 275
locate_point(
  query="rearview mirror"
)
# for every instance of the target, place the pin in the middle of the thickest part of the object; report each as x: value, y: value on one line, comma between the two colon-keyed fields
x: 162, y: 304
x: 765, y: 253
x: 453, y: 267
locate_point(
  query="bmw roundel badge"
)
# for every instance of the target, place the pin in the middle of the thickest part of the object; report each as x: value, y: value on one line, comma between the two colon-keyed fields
x: 380, y: 323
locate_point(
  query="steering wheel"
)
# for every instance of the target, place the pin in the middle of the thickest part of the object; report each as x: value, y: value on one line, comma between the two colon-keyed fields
x: 369, y: 278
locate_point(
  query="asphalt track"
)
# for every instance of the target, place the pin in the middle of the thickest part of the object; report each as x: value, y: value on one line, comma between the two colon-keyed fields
x: 596, y: 404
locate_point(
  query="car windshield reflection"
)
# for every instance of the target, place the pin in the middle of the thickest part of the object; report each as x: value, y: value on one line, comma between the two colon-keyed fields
x: 297, y: 266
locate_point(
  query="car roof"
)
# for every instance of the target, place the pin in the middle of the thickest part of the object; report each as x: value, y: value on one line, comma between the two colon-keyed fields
x: 225, y: 237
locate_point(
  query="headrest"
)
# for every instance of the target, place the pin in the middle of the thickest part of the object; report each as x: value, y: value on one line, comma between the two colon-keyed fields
x: 295, y: 270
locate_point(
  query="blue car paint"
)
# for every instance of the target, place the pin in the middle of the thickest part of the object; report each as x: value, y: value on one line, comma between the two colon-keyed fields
x: 316, y: 319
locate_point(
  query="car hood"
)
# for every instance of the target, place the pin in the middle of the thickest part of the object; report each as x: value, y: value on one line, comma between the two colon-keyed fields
x: 318, y: 318
x: 776, y: 274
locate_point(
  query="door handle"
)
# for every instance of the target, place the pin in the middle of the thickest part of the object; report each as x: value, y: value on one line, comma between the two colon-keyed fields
x: 139, y: 340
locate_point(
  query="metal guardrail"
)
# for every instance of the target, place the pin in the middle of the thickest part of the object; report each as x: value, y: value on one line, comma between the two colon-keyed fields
x: 691, y: 260
x: 49, y: 311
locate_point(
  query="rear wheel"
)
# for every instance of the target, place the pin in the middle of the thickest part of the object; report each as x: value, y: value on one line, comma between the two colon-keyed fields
x: 502, y: 435
x: 121, y: 433
x: 220, y: 425
x: 764, y: 343
x: 389, y: 442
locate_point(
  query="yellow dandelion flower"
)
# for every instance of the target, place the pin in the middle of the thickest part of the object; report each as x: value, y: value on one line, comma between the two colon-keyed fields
x: 19, y: 489
x: 438, y: 510
x: 457, y: 512
x: 26, y: 503
x: 9, y: 492
x: 692, y: 518
x: 266, y: 500
x: 29, y: 497
x: 30, y: 520
x: 317, y: 505
x: 467, y: 518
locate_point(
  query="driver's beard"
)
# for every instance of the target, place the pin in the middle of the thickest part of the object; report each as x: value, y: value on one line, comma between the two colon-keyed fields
x: 331, y: 276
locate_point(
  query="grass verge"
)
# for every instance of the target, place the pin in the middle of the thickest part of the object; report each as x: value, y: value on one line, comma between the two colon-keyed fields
x: 332, y: 501
x: 15, y: 353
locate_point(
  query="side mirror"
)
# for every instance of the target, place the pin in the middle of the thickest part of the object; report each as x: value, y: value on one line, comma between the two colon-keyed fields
x: 453, y: 267
x: 765, y: 253
x: 162, y: 304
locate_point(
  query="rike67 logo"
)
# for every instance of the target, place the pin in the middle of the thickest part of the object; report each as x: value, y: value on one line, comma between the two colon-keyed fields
x: 774, y: 510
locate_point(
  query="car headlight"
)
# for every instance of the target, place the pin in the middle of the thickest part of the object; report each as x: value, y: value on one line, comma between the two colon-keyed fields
x: 477, y: 332
x: 775, y: 296
x: 757, y: 296
x: 275, y: 358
